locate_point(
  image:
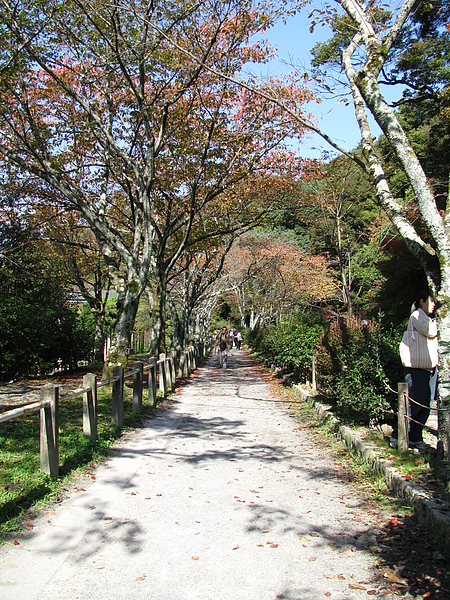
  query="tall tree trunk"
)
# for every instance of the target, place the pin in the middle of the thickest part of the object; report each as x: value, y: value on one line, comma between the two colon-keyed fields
x: 127, y: 306
x: 99, y: 335
x: 158, y: 341
x: 366, y: 93
x: 177, y: 338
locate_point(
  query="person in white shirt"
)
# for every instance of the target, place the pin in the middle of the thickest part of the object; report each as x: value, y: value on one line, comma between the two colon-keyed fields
x: 419, y: 355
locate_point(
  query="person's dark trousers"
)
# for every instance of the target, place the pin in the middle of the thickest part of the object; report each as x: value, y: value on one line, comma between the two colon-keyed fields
x: 421, y: 391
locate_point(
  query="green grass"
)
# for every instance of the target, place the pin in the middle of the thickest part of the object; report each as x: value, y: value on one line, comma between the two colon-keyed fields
x: 24, y: 488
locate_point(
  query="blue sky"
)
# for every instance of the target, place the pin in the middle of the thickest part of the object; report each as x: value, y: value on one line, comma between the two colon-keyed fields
x: 294, y: 42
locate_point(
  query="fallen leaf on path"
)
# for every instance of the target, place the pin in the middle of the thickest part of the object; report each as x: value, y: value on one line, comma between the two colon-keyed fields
x: 142, y: 578
x: 15, y: 543
x: 195, y: 557
x: 312, y: 558
x: 356, y: 586
x: 236, y: 547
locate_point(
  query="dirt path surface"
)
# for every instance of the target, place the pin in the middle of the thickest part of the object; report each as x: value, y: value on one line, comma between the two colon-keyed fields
x: 220, y: 496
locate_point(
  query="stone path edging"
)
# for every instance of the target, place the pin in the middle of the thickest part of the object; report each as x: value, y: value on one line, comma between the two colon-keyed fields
x: 429, y: 512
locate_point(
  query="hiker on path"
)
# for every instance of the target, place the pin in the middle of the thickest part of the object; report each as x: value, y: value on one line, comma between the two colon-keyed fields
x: 238, y: 340
x: 419, y: 356
x: 223, y: 346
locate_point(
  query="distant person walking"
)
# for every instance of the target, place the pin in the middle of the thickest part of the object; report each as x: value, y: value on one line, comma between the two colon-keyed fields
x: 223, y: 346
x: 238, y: 340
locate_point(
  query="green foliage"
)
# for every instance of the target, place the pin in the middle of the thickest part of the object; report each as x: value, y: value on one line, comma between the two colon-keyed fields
x: 40, y: 330
x: 357, y: 361
x: 290, y: 343
x: 365, y: 366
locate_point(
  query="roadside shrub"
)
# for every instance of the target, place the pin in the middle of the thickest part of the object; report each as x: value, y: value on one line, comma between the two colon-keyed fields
x: 357, y: 361
x: 253, y: 337
x: 290, y: 344
x: 365, y: 367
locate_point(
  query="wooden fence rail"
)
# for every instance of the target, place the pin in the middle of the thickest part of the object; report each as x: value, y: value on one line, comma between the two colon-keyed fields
x: 161, y: 372
x: 403, y: 423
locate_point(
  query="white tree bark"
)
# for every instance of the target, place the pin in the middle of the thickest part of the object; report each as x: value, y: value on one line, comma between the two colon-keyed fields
x: 366, y: 94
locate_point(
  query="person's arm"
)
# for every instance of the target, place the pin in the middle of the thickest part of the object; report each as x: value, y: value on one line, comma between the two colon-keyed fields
x: 423, y: 324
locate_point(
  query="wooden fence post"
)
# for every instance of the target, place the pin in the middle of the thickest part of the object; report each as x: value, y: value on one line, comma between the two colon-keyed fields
x: 314, y: 383
x: 168, y: 373
x: 49, y: 440
x: 182, y: 364
x: 173, y: 367
x: 162, y: 374
x: 90, y: 407
x: 189, y: 360
x: 117, y: 398
x: 138, y: 379
x: 152, y: 381
x: 403, y: 417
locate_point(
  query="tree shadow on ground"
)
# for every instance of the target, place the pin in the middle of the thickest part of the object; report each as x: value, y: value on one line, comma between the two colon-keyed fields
x: 408, y: 560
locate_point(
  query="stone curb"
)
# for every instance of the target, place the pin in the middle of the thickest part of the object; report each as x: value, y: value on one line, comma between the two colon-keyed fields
x: 430, y: 513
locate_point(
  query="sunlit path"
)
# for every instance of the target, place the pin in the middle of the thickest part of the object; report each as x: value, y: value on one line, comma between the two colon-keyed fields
x: 220, y: 496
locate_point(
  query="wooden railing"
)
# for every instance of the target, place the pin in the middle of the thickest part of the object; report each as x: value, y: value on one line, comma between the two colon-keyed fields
x: 404, y: 419
x: 162, y: 373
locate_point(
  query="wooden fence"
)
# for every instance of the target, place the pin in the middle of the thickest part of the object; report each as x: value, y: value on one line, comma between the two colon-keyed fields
x: 161, y: 373
x: 403, y: 422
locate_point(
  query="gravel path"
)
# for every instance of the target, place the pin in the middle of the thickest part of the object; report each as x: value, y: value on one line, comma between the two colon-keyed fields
x: 221, y: 496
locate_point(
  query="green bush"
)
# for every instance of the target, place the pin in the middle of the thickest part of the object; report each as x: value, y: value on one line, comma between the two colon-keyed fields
x: 40, y: 329
x: 365, y: 366
x: 290, y: 344
x: 357, y: 362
